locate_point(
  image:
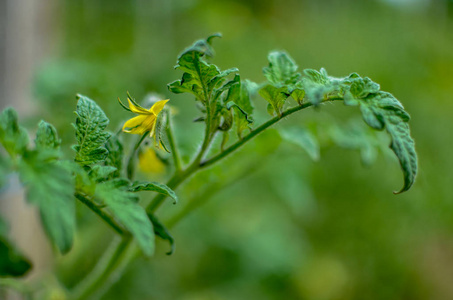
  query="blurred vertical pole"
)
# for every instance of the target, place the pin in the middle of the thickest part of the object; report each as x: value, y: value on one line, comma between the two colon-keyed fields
x: 18, y: 53
x: 26, y: 31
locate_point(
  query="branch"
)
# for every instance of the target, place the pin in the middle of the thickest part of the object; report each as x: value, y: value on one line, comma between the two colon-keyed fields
x: 173, y: 147
x: 104, y: 215
x: 254, y: 133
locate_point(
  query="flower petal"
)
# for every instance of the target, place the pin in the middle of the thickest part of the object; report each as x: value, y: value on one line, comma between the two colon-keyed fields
x: 137, y: 109
x: 135, y: 124
x: 158, y: 106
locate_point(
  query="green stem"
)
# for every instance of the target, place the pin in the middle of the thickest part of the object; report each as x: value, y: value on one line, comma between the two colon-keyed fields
x: 130, y: 169
x: 173, y: 183
x: 103, y: 214
x: 173, y: 146
x: 106, y: 272
x: 254, y: 133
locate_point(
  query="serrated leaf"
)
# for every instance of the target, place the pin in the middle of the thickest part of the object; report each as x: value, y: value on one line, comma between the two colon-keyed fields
x: 100, y: 173
x: 125, y: 208
x: 12, y: 136
x: 47, y: 137
x: 50, y: 186
x: 154, y: 187
x: 239, y: 98
x: 115, y: 156
x: 12, y: 262
x: 298, y: 94
x: 227, y: 120
x: 282, y: 69
x: 382, y: 109
x: 404, y: 148
x: 219, y: 79
x: 161, y: 231
x: 371, y: 118
x: 275, y: 96
x: 362, y: 87
x: 317, y: 77
x: 198, y: 72
x: 304, y: 139
x: 91, y: 136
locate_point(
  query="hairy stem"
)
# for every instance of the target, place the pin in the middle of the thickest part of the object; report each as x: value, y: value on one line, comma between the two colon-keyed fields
x: 254, y: 133
x: 130, y: 169
x: 103, y: 214
x: 173, y: 146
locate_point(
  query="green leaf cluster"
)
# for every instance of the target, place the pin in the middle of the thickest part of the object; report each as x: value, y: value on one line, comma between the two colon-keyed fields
x: 48, y: 184
x: 283, y: 81
x: 218, y: 96
x: 380, y: 110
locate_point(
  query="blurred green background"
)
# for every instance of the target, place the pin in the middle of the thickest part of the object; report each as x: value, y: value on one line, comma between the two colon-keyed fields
x: 272, y: 224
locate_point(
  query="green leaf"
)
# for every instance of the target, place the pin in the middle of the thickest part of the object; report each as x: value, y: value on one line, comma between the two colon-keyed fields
x: 219, y: 79
x: 91, y: 136
x: 101, y: 173
x: 362, y: 87
x: 50, y: 186
x: 320, y: 77
x: 154, y: 187
x: 298, y: 94
x: 381, y: 110
x: 239, y: 98
x: 161, y: 231
x: 47, y: 137
x: 304, y: 139
x: 124, y: 206
x: 275, y: 96
x: 12, y: 262
x: 282, y: 69
x: 115, y: 156
x: 198, y: 73
x: 404, y: 148
x: 160, y: 131
x: 12, y: 136
x: 372, y: 118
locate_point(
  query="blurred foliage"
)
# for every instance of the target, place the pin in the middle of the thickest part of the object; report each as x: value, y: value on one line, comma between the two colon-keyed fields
x: 282, y: 226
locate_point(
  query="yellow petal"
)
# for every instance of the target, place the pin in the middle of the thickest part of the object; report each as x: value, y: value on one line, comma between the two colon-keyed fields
x: 135, y: 124
x: 137, y: 109
x: 153, y: 129
x: 158, y: 106
x: 149, y: 162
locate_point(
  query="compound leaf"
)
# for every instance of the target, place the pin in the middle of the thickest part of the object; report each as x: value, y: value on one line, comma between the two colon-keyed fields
x: 124, y: 206
x: 50, y: 186
x: 282, y: 69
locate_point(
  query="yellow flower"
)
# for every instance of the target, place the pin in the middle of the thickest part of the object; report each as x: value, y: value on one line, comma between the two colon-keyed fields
x: 146, y: 119
x: 148, y: 162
